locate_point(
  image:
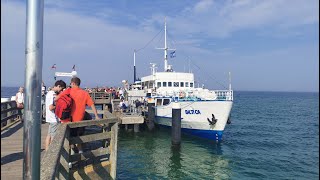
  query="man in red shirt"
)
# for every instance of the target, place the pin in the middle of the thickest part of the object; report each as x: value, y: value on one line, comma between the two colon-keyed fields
x: 81, y: 99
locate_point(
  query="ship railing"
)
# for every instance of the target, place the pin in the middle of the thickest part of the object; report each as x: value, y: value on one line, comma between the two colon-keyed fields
x: 224, y: 94
x: 10, y: 114
x: 133, y: 109
x: 100, y: 158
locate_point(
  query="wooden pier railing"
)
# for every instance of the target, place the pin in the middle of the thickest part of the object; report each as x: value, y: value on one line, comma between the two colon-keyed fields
x: 101, y: 97
x: 99, y: 162
x: 9, y: 114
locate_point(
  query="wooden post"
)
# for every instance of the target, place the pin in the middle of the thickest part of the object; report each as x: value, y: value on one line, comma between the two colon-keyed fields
x: 113, y: 150
x: 4, y: 106
x: 9, y: 105
x: 176, y: 124
x: 151, y: 114
x: 64, y: 171
x: 136, y: 128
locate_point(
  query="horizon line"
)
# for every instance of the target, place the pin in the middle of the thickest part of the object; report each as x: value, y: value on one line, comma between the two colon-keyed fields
x: 232, y: 90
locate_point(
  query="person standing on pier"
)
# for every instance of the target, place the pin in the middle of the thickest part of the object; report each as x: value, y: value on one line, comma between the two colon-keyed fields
x: 81, y: 99
x: 20, y: 101
x: 43, y: 89
x: 51, y: 118
x: 121, y: 93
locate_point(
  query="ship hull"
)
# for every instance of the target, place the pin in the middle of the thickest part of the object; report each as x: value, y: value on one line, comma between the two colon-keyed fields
x: 194, y: 117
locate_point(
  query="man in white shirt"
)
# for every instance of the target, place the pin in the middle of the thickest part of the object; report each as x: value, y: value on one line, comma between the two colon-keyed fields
x: 121, y: 93
x: 123, y: 105
x: 51, y: 118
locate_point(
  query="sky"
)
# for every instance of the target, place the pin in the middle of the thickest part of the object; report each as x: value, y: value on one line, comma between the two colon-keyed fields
x: 266, y: 45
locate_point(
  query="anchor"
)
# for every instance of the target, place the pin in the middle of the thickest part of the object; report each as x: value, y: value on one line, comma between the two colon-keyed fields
x: 213, y: 121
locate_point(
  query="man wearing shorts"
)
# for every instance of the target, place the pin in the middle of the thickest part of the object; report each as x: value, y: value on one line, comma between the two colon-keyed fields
x: 51, y: 118
x: 81, y: 99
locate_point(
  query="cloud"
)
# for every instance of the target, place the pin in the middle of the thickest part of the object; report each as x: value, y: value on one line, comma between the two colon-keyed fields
x: 226, y: 17
x: 203, y: 6
x: 101, y: 41
x: 99, y: 48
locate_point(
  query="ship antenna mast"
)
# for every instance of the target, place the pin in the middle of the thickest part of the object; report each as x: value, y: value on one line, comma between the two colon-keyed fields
x: 134, y: 67
x: 165, y: 46
x: 229, y: 81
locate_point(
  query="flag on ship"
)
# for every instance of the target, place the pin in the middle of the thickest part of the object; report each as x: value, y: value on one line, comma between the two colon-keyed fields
x: 53, y: 66
x: 74, y: 67
x: 173, y: 54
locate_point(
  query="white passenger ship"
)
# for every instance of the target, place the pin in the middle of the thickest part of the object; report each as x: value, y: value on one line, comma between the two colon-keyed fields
x: 204, y: 112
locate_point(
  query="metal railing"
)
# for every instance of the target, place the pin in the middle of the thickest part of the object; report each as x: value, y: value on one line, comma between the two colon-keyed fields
x: 224, y: 94
x: 55, y: 162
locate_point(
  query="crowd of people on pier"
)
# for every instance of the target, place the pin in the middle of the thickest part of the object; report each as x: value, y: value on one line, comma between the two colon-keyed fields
x: 117, y: 93
x: 80, y: 99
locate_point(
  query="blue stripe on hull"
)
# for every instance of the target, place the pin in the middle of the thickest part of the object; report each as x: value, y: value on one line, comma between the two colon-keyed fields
x: 207, y: 134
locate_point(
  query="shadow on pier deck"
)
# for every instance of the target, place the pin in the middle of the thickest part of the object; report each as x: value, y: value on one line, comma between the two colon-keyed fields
x: 12, y: 150
x: 12, y: 141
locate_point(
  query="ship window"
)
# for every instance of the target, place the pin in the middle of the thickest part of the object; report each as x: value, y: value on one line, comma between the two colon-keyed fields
x: 181, y: 84
x: 187, y: 84
x: 164, y: 84
x: 169, y: 84
x: 159, y: 84
x: 166, y: 101
x: 150, y: 84
x: 176, y: 84
x: 159, y: 102
x: 191, y: 84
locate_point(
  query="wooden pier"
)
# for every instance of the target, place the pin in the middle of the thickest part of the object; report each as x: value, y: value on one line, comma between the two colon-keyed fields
x: 12, y: 141
x: 99, y: 159
x: 129, y: 118
x: 103, y: 99
x: 12, y: 150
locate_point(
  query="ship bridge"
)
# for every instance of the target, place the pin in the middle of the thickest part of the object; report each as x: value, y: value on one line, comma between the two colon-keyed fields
x: 168, y: 80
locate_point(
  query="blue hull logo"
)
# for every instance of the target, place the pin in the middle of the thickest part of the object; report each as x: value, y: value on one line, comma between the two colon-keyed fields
x: 192, y: 112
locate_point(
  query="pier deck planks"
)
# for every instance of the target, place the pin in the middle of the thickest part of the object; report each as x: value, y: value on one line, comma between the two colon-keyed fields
x: 12, y: 150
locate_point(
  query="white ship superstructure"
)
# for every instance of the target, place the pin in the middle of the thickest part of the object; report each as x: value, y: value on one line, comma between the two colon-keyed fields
x: 204, y: 112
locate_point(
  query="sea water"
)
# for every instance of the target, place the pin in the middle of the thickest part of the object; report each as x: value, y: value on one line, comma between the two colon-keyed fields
x: 272, y: 135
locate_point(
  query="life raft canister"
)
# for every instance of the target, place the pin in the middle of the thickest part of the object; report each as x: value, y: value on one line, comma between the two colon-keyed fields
x: 182, y: 94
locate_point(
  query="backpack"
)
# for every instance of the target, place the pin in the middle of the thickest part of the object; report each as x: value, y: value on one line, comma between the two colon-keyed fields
x: 64, y: 106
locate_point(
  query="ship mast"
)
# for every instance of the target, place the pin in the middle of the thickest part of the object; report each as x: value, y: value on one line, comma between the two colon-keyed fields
x: 134, y: 66
x: 229, y: 81
x: 165, y: 47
